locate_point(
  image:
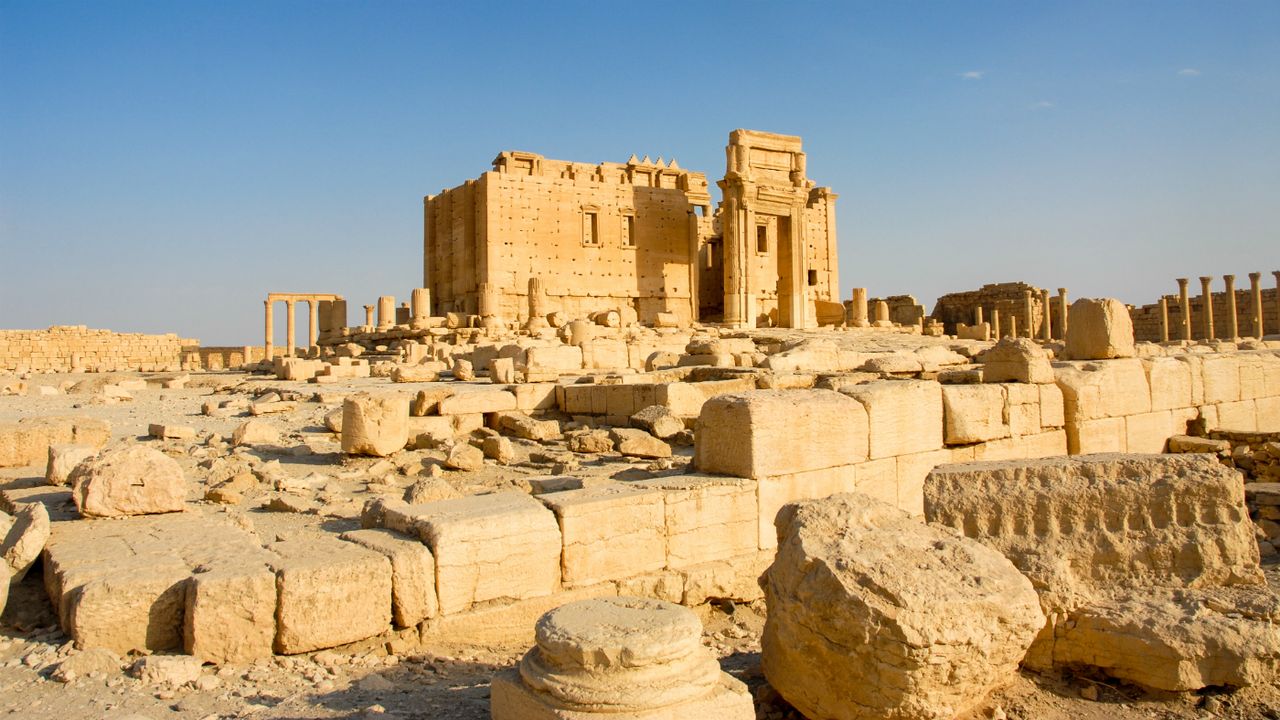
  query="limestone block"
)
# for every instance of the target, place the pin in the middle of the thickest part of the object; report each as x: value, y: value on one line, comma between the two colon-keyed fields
x: 604, y: 354
x: 912, y: 471
x: 639, y: 443
x: 1149, y: 432
x: 24, y: 539
x: 622, y: 659
x: 774, y: 492
x: 27, y: 441
x: 1045, y: 444
x: 658, y: 420
x: 904, y: 416
x: 1221, y: 375
x: 766, y: 433
x: 1107, y: 389
x: 63, y: 459
x: 856, y: 628
x: 736, y: 579
x: 375, y: 424
x: 518, y: 424
x: 1104, y: 435
x: 707, y: 517
x: 425, y: 372
x: 1252, y: 381
x: 609, y: 532
x: 255, y: 432
x: 878, y: 479
x: 1239, y: 416
x: 482, y: 401
x: 534, y: 396
x: 133, y: 480
x: 330, y: 593
x: 1100, y: 329
x: 1268, y: 414
x: 465, y: 457
x: 1170, y: 382
x: 686, y: 399
x: 1016, y: 360
x: 427, y: 401
x: 430, y: 431
x: 550, y: 362
x: 135, y: 605
x: 230, y: 614
x: 973, y: 413
x: 413, y: 573
x: 502, y: 545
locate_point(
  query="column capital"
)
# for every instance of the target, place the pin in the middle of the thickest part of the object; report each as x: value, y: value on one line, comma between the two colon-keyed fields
x: 1183, y: 282
x: 1062, y: 291
x: 1255, y: 277
x: 1206, y: 279
x: 1229, y: 278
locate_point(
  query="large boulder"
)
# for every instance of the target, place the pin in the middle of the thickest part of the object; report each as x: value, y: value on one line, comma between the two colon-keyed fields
x: 1099, y: 329
x: 133, y: 480
x: 25, y: 538
x: 375, y: 424
x: 1146, y: 565
x: 873, y: 614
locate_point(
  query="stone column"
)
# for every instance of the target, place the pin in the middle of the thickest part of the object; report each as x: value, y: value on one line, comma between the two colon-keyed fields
x: 882, y: 314
x: 995, y: 323
x: 1184, y: 306
x: 1206, y: 291
x: 368, y: 317
x: 1276, y: 273
x: 1255, y: 303
x: 1046, y: 332
x: 1062, y: 313
x: 420, y: 304
x: 1013, y: 326
x: 289, y: 328
x: 1233, y: 323
x: 313, y: 322
x: 268, y: 345
x: 977, y: 315
x: 338, y: 316
x: 537, y: 299
x: 386, y: 312
x: 1028, y: 314
x: 859, y: 308
x: 1164, y: 319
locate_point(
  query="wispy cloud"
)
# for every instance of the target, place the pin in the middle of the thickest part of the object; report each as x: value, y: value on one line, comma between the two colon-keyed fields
x: 1042, y: 105
x: 1189, y: 72
x: 973, y: 74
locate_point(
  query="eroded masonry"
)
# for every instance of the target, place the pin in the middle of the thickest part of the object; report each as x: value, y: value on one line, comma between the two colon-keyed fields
x: 610, y: 408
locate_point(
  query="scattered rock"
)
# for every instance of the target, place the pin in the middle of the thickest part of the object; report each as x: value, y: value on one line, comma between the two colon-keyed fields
x: 134, y: 480
x: 638, y: 443
x: 463, y: 456
x: 255, y: 432
x: 429, y: 489
x: 168, y: 670
x: 25, y: 539
x: 658, y: 420
x: 375, y: 424
x: 63, y: 459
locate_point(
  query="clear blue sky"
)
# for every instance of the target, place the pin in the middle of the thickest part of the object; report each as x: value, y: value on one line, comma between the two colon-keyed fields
x: 164, y: 164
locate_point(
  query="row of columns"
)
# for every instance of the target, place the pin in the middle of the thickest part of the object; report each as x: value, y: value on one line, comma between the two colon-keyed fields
x: 329, y: 316
x: 1206, y: 296
x: 1029, y: 314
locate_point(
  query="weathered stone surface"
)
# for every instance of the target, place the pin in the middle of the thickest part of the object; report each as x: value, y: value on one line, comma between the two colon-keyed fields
x: 903, y: 416
x: 1100, y: 329
x: 133, y: 480
x: 27, y: 441
x: 413, y: 573
x: 974, y: 413
x: 429, y: 489
x: 480, y: 401
x: 658, y: 420
x: 166, y: 670
x: 256, y: 432
x: 1017, y: 360
x: 621, y: 658
x: 63, y: 459
x: 609, y: 532
x: 502, y: 545
x: 638, y: 443
x: 773, y: 432
x: 499, y: 449
x: 521, y: 425
x: 591, y: 441
x: 25, y: 539
x: 465, y: 457
x: 1125, y: 551
x: 708, y: 517
x: 230, y: 612
x: 375, y: 424
x: 329, y: 593
x: 873, y: 614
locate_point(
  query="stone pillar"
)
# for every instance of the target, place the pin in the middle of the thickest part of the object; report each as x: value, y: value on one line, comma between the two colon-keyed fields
x: 289, y: 329
x: 1233, y: 322
x: 1255, y: 303
x: 882, y: 314
x: 1164, y: 319
x: 977, y: 315
x: 859, y: 308
x: 1028, y: 314
x: 995, y: 323
x: 420, y: 305
x: 1184, y: 305
x: 537, y: 298
x: 1207, y: 293
x: 268, y: 344
x: 1276, y: 273
x: 338, y: 316
x: 313, y: 322
x: 1046, y: 332
x: 1013, y: 326
x: 368, y: 317
x: 1062, y: 313
x: 386, y: 312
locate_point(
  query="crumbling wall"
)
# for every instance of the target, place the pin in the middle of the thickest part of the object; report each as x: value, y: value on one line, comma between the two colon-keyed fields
x: 1009, y: 298
x: 63, y: 348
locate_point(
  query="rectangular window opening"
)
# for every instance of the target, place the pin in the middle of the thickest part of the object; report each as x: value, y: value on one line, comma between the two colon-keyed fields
x: 628, y: 231
x: 762, y: 238
x: 590, y: 228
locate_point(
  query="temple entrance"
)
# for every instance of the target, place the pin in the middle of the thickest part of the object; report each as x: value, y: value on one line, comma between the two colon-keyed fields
x: 786, y: 287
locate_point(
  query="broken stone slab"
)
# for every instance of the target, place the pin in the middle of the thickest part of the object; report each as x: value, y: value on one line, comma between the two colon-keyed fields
x: 481, y: 401
x: 161, y: 431
x: 133, y: 480
x: 1017, y: 360
x: 230, y: 610
x: 330, y: 593
x: 1189, y: 444
x: 658, y: 420
x: 591, y: 441
x: 27, y: 441
x: 638, y: 443
x: 413, y: 573
x: 255, y: 432
x: 63, y: 459
x: 499, y: 449
x: 518, y: 424
x: 707, y: 517
x: 172, y: 671
x: 24, y: 539
x: 271, y: 408
x: 856, y: 628
x: 609, y: 531
x: 631, y: 658
x: 375, y: 424
x: 465, y: 457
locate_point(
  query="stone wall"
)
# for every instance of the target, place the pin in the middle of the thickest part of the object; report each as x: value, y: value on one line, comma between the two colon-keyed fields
x: 1146, y: 319
x: 1008, y: 298
x: 63, y: 348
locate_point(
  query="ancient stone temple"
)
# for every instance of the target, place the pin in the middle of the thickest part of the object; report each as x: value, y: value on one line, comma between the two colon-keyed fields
x: 638, y: 235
